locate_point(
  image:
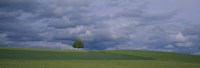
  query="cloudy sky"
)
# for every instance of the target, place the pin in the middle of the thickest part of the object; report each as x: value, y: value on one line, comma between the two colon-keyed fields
x: 164, y: 25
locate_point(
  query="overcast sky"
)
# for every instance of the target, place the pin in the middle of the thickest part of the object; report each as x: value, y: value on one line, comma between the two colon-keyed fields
x: 164, y: 25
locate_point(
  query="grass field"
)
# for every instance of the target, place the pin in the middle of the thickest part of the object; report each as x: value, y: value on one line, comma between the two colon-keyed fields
x: 39, y: 58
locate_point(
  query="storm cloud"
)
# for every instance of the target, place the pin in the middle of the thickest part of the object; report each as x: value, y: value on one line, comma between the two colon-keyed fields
x: 171, y: 25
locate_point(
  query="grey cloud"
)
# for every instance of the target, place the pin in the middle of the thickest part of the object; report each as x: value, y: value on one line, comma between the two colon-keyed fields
x: 105, y: 24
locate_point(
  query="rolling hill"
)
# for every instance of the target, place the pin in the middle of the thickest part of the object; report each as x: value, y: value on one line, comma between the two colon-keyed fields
x: 43, y: 58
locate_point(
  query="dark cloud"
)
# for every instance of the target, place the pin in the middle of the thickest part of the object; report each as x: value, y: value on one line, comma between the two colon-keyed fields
x: 102, y: 24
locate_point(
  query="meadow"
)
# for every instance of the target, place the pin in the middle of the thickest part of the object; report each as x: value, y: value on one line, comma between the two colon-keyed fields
x: 42, y: 58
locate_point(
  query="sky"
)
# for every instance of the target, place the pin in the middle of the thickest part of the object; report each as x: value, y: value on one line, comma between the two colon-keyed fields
x: 161, y: 25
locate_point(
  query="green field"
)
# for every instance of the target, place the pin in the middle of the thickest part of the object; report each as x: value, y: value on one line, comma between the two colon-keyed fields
x: 41, y: 58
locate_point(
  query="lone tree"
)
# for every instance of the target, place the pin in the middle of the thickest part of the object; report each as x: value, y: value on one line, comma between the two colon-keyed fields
x: 78, y: 43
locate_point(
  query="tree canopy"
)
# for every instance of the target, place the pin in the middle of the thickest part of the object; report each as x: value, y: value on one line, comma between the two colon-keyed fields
x: 78, y: 43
